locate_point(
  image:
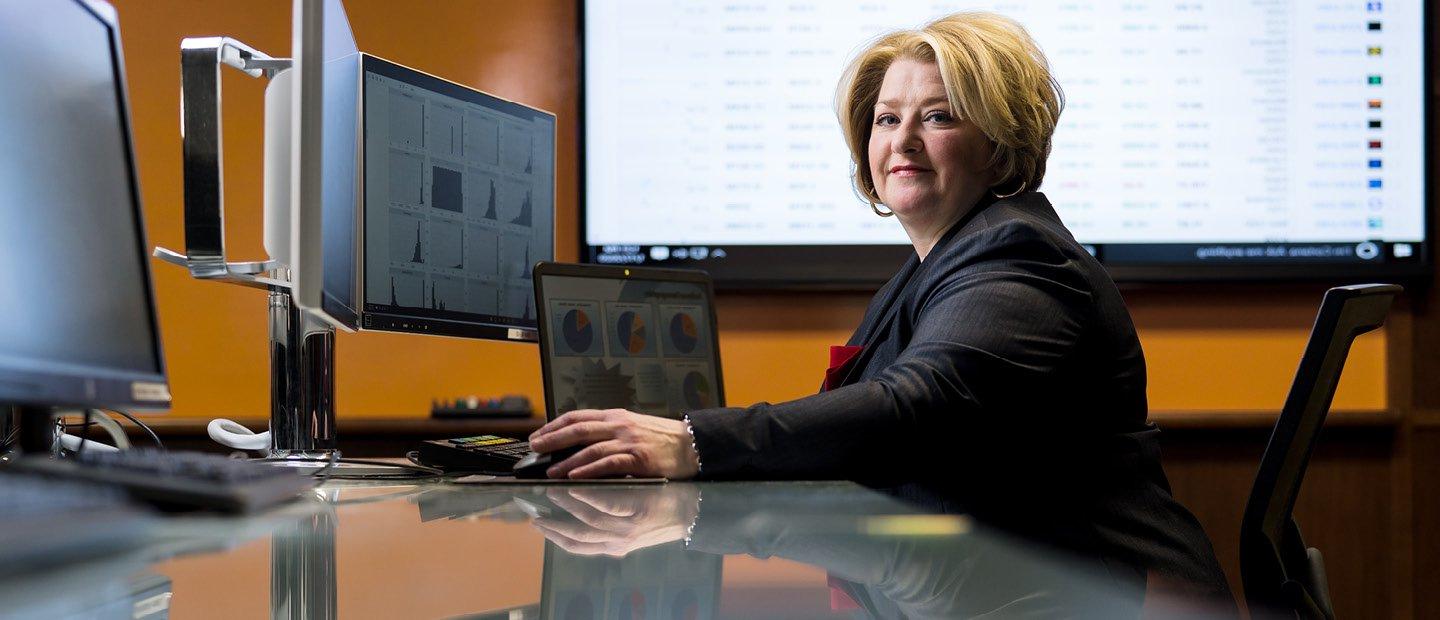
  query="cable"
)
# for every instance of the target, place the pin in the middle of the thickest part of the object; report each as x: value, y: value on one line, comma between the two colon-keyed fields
x: 84, y: 430
x: 137, y: 422
x: 117, y: 434
x: 73, y: 443
x: 232, y: 434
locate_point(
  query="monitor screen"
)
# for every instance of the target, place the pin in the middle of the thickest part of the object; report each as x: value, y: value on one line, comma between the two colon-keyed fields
x: 77, y: 320
x: 459, y: 205
x: 637, y: 339
x: 1199, y: 140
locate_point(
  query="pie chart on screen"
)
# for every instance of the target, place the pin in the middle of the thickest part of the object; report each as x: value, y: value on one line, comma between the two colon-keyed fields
x: 579, y: 334
x: 683, y: 333
x: 697, y: 391
x: 630, y: 332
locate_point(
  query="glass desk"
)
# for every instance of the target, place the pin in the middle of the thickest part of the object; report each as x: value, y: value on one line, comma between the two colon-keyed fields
x: 445, y: 550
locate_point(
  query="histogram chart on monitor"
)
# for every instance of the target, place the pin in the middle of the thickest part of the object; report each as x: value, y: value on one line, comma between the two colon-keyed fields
x: 459, y: 202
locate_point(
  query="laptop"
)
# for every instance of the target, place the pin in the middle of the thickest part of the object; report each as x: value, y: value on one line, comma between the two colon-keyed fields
x: 627, y: 337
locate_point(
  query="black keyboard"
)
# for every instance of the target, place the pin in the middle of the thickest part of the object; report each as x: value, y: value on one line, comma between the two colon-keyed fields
x: 45, y: 522
x: 490, y: 454
x: 182, y: 480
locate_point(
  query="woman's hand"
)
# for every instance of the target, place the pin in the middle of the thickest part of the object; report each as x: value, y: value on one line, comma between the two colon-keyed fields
x: 616, y: 522
x: 618, y: 443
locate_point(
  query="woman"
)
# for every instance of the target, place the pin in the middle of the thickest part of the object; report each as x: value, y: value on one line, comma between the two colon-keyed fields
x: 998, y: 372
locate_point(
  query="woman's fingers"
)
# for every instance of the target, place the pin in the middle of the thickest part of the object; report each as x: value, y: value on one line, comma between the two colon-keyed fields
x: 578, y: 415
x: 585, y: 513
x: 587, y: 455
x: 576, y: 434
x: 614, y: 465
x: 619, y: 503
x: 559, y: 533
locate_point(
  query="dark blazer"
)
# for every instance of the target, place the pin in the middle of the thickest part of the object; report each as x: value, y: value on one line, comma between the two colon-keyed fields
x: 1000, y: 377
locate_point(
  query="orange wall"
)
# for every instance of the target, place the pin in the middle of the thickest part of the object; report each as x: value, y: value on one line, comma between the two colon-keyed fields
x: 1207, y: 350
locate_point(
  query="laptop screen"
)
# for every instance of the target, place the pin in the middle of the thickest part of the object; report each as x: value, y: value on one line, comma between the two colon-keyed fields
x: 637, y: 339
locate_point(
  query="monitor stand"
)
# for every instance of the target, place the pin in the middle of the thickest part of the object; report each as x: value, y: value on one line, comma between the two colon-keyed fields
x: 302, y: 347
x: 36, y: 432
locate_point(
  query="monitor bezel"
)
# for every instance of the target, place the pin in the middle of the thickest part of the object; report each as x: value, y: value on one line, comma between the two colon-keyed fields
x: 610, y: 272
x: 867, y: 267
x: 94, y: 386
x: 436, y: 325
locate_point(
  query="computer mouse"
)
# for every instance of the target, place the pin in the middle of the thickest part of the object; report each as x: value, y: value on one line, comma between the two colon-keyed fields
x: 533, y: 465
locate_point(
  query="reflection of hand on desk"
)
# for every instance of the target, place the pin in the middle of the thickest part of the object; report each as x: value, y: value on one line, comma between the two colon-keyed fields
x: 618, y: 521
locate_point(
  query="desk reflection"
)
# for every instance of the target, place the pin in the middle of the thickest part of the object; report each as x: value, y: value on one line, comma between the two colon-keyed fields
x: 622, y: 552
x: 680, y: 550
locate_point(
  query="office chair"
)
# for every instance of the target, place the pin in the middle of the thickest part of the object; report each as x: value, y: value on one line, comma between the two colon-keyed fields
x: 1280, y: 574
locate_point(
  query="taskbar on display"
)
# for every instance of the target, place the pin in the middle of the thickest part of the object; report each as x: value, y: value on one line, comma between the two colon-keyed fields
x: 855, y: 267
x: 380, y: 317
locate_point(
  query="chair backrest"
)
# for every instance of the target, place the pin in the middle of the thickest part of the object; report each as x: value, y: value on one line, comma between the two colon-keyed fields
x: 1274, y: 564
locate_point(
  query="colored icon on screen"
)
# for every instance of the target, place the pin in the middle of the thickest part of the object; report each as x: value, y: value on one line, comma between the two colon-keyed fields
x: 1373, y: 50
x: 1373, y: 7
x: 1375, y: 123
x: 1375, y: 26
x: 696, y: 390
x: 1375, y: 184
x: 683, y: 333
x: 1374, y: 80
x: 1375, y: 163
x: 579, y: 335
x: 630, y: 333
x: 1374, y: 104
x: 1375, y: 144
x: 1375, y: 222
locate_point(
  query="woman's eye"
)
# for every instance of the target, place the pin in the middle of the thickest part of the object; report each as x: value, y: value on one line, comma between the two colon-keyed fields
x: 886, y: 119
x: 939, y: 117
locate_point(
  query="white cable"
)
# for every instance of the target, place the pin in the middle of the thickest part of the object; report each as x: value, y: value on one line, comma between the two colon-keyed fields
x: 117, y: 434
x: 72, y: 443
x: 232, y: 434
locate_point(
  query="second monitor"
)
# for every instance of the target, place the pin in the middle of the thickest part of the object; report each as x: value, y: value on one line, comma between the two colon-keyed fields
x: 457, y: 205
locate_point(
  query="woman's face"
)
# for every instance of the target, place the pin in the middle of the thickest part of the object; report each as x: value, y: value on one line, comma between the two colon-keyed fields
x: 927, y: 163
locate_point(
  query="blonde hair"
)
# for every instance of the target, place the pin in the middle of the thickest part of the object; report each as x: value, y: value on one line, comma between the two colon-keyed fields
x: 995, y: 77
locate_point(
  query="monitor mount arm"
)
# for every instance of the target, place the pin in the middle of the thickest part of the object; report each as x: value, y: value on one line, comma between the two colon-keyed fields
x: 302, y: 346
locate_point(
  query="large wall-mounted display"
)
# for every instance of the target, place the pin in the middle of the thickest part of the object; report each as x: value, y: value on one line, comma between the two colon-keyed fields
x: 1211, y: 139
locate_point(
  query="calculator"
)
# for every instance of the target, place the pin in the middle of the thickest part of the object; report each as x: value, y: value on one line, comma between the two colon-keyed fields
x: 482, y: 453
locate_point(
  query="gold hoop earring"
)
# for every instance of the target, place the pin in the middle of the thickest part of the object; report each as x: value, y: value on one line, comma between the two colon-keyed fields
x: 876, y: 208
x: 1011, y: 194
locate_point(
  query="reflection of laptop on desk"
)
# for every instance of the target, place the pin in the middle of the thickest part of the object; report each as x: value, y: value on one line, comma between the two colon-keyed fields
x: 629, y: 338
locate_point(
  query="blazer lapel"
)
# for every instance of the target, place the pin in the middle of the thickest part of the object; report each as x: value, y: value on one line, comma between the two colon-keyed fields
x: 903, y: 284
x: 881, y: 311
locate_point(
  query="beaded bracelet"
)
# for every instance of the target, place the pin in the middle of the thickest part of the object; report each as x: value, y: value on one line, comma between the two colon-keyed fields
x: 691, y: 429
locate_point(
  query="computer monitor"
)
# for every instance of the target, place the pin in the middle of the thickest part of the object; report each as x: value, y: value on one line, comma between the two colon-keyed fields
x: 457, y: 204
x: 1200, y: 141
x: 628, y: 337
x: 77, y: 319
x: 323, y: 162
